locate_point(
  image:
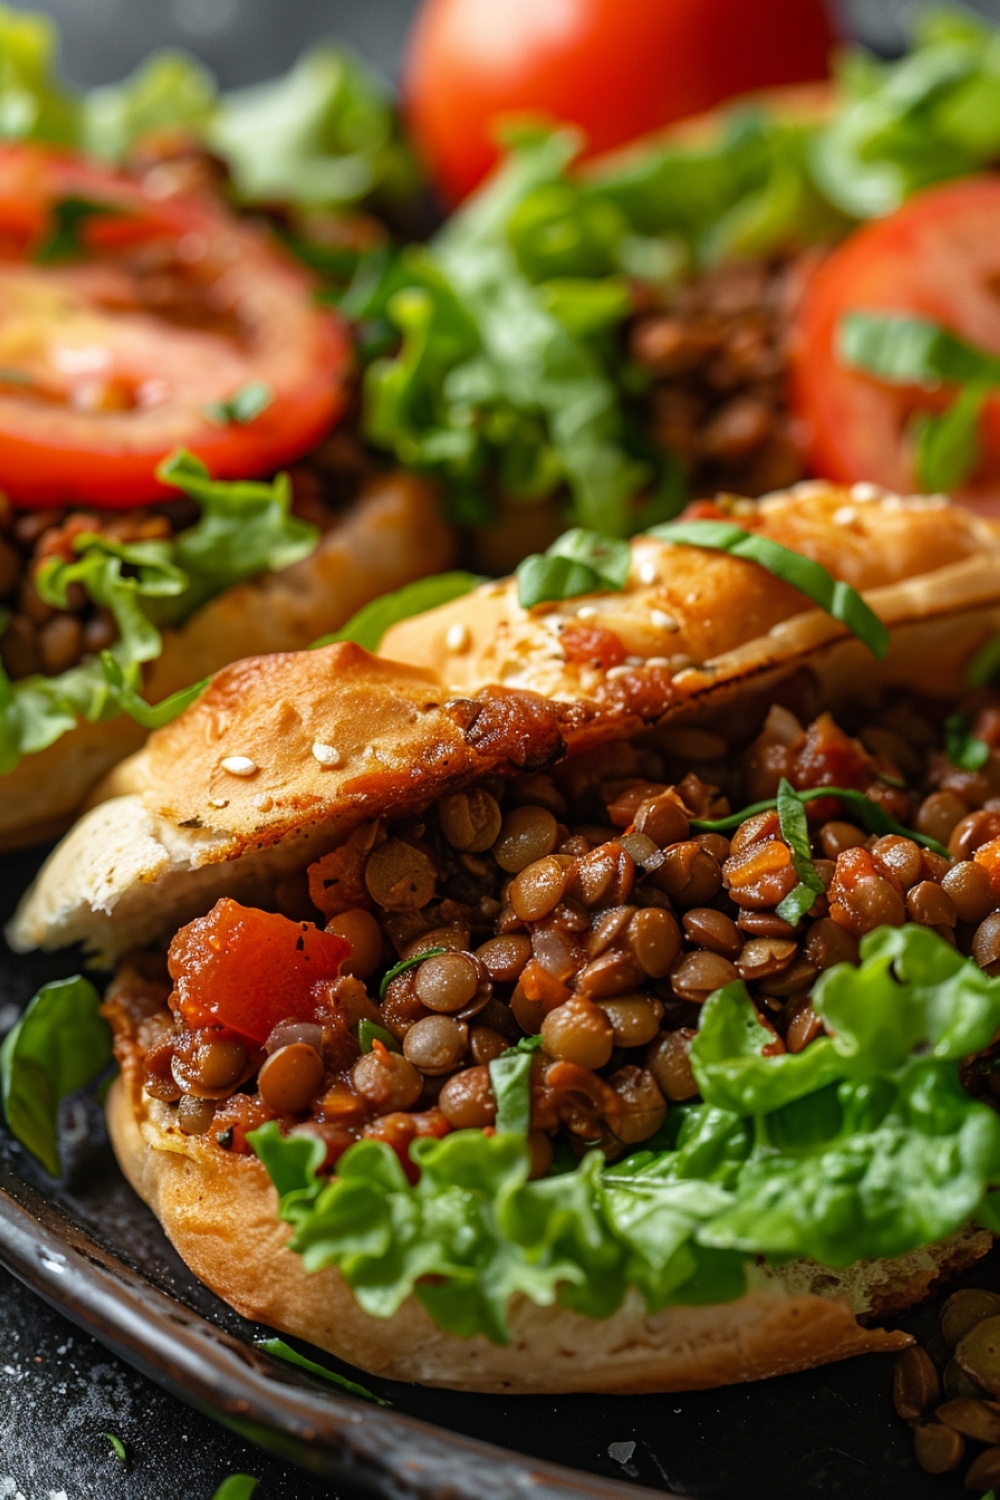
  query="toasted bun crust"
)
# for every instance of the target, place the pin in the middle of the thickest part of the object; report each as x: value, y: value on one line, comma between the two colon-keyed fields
x: 392, y: 535
x: 220, y: 1212
x: 181, y: 827
x: 712, y: 617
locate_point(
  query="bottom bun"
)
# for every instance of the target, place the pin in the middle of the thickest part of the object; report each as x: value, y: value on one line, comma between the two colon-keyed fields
x: 220, y: 1212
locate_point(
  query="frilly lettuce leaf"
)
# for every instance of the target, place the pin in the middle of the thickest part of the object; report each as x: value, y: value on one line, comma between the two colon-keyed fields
x: 245, y: 529
x: 499, y: 373
x: 170, y: 91
x: 323, y: 134
x: 931, y: 116
x: 34, y: 105
x: 863, y: 1145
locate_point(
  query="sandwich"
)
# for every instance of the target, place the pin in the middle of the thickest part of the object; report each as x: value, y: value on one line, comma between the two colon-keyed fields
x: 594, y: 988
x: 160, y: 359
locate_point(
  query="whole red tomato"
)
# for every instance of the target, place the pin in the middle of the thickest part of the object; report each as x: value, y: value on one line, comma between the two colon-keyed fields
x: 618, y: 68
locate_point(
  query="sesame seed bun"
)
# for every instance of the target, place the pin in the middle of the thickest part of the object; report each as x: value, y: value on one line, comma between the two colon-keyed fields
x: 233, y: 797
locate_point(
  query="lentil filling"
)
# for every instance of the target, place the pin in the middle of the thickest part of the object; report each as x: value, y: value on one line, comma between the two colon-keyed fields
x: 37, y: 637
x: 588, y: 907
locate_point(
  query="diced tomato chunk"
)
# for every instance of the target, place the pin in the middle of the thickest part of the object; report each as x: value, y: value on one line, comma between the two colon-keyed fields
x: 249, y: 969
x: 592, y: 645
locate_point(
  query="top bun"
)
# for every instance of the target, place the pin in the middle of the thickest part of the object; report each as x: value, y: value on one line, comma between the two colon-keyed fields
x: 283, y: 755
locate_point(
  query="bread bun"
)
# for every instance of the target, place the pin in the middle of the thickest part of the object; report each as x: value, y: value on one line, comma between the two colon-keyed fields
x: 394, y: 533
x: 220, y: 1213
x: 283, y: 756
x: 483, y: 685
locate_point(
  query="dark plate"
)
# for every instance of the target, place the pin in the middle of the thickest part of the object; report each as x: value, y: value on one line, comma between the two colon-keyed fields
x: 96, y: 1253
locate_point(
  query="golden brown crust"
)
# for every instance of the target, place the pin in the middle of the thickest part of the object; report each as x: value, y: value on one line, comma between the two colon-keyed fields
x: 708, y: 614
x: 393, y: 534
x: 219, y: 1211
x: 402, y: 733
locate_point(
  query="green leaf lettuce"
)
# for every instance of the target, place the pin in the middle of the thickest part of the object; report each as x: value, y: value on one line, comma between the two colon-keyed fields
x: 862, y: 1145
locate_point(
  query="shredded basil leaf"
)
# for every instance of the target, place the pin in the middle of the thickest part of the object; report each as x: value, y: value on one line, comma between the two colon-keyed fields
x: 369, y: 625
x: 908, y: 351
x: 404, y: 964
x: 578, y: 562
x: 242, y: 406
x: 912, y: 351
x: 370, y: 1031
x: 964, y: 749
x: 117, y: 1447
x: 236, y: 1487
x: 59, y: 1045
x: 947, y: 446
x: 810, y: 578
x: 284, y: 1351
x: 795, y: 832
x: 984, y: 664
x: 510, y: 1077
x: 68, y: 218
x: 868, y: 813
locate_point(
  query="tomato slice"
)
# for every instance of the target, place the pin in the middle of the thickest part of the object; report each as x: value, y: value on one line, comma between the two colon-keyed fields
x: 248, y: 970
x: 937, y: 258
x: 129, y: 320
x: 618, y: 68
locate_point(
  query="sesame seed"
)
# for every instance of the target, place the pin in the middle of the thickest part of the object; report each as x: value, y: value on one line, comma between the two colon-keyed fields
x: 658, y: 661
x: 240, y: 765
x: 865, y: 491
x: 458, y: 637
x: 218, y: 801
x: 586, y: 613
x: 845, y: 515
x: 613, y: 673
x: 327, y: 755
x: 635, y: 661
x: 648, y: 572
x: 662, y: 620
x: 263, y: 802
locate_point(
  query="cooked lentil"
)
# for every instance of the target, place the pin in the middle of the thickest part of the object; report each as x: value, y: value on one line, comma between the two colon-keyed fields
x: 603, y: 938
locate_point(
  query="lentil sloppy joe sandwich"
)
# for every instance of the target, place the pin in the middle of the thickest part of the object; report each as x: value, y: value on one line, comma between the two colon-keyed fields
x: 595, y: 989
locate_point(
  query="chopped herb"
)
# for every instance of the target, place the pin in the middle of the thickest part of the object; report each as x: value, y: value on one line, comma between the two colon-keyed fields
x: 225, y: 1138
x: 510, y: 1076
x: 281, y: 1350
x: 59, y: 1045
x: 404, y: 964
x: 117, y: 1447
x: 370, y: 1031
x: 912, y: 351
x: 69, y: 216
x: 947, y: 445
x: 838, y: 599
x: 869, y: 814
x: 579, y: 562
x: 984, y: 664
x: 369, y: 625
x: 795, y: 832
x: 965, y: 750
x: 236, y: 1487
x: 242, y: 406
